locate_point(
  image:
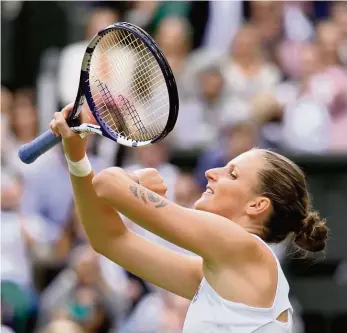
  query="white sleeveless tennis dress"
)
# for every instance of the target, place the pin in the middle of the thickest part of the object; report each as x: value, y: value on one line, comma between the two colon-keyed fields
x: 210, y: 313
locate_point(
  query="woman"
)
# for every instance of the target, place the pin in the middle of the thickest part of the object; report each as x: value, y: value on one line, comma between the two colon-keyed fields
x: 247, y: 71
x: 258, y: 197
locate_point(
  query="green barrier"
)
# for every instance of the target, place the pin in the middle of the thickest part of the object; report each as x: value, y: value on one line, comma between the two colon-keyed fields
x: 319, y: 286
x: 327, y: 181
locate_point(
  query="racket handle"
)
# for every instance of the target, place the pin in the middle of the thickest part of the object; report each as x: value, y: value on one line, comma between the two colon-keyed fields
x: 29, y: 152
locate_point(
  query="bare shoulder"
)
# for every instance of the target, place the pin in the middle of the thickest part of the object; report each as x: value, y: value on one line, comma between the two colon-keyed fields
x: 263, y: 265
x: 263, y: 251
x: 248, y: 254
x: 253, y: 274
x: 267, y: 268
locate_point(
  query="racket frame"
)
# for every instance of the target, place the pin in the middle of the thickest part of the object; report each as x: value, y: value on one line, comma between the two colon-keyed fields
x: 29, y: 152
x: 84, y: 92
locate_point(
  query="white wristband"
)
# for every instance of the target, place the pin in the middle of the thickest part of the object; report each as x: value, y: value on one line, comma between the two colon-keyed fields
x: 81, y: 168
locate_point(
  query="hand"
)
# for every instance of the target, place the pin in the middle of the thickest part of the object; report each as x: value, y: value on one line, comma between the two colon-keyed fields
x: 74, y: 145
x: 150, y: 178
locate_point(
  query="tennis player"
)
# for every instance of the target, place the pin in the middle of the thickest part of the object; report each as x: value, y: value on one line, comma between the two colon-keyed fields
x: 236, y: 283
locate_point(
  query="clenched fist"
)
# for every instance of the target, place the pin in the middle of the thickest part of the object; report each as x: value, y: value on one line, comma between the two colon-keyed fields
x: 151, y: 179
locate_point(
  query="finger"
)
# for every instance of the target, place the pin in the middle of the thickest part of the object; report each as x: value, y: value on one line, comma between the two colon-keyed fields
x: 53, y: 127
x: 151, y: 171
x: 67, y: 110
x: 159, y: 188
x: 156, y: 179
x: 84, y: 116
x: 61, y: 124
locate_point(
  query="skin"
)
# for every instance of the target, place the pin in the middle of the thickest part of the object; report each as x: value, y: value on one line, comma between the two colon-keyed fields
x: 218, y: 230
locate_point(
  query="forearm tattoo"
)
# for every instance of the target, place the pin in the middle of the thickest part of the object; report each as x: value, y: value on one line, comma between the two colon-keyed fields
x: 133, y: 190
x: 145, y: 194
x: 152, y: 197
x: 143, y: 197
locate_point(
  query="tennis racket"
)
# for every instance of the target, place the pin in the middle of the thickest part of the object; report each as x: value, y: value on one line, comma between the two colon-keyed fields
x: 129, y: 87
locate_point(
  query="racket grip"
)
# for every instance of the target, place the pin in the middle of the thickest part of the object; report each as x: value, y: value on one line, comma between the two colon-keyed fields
x: 29, y: 152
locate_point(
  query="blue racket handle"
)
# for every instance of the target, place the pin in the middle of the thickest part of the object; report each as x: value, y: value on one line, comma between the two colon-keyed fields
x: 29, y: 152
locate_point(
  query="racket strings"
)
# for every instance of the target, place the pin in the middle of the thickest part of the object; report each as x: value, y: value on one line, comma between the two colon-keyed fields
x: 128, y: 87
x: 143, y: 49
x: 117, y: 110
x: 140, y: 77
x: 122, y: 128
x: 144, y: 64
x: 112, y: 113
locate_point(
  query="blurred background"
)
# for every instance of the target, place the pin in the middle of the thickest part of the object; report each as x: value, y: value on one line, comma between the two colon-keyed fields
x: 249, y: 73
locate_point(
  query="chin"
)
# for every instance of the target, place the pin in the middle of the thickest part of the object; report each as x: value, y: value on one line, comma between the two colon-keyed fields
x: 202, y: 204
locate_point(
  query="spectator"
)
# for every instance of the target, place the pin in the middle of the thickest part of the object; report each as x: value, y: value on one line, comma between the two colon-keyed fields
x: 90, y: 270
x: 187, y: 191
x: 207, y: 111
x: 236, y: 138
x: 7, y: 101
x: 339, y: 17
x: 161, y: 311
x: 20, y: 120
x: 267, y: 17
x: 173, y: 35
x: 325, y: 84
x: 246, y: 71
x: 18, y: 296
x: 85, y: 307
x: 23, y: 118
x: 72, y: 55
x: 141, y: 12
x: 165, y: 10
x: 297, y: 30
x: 329, y: 37
x: 48, y: 235
x: 217, y: 23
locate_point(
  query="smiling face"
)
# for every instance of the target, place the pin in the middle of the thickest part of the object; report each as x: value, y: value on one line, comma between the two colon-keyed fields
x: 232, y: 191
x: 266, y: 194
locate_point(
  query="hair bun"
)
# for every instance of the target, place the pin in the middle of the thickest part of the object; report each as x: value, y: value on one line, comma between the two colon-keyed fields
x: 313, y: 234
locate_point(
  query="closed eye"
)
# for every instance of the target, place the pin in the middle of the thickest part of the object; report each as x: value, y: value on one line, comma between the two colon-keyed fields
x: 232, y: 175
x: 232, y: 172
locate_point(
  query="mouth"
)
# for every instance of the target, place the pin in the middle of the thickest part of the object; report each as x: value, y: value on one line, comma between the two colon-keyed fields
x: 209, y: 191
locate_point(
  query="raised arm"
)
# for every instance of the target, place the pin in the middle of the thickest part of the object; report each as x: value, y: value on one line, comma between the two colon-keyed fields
x: 108, y: 235
x: 213, y: 237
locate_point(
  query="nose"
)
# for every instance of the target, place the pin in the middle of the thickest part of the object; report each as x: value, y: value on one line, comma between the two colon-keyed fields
x: 211, y: 174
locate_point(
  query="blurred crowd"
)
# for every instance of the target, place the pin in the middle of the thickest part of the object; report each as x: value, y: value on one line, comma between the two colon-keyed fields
x: 255, y: 73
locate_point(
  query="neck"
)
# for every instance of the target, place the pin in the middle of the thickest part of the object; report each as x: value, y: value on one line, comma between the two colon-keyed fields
x: 249, y: 225
x: 254, y: 230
